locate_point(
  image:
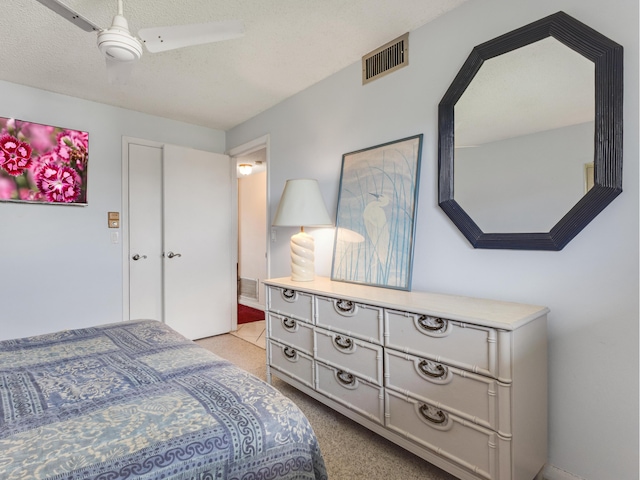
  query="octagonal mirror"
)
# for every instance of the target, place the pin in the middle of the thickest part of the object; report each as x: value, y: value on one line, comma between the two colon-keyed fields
x: 530, y: 146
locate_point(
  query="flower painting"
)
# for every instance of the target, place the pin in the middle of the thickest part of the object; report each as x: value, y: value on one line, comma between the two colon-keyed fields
x: 376, y: 211
x: 42, y: 164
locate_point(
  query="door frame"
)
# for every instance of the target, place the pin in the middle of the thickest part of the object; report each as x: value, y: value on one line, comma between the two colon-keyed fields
x: 124, y: 226
x: 245, y: 149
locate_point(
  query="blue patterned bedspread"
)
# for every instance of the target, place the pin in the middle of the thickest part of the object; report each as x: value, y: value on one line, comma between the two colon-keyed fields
x: 138, y: 400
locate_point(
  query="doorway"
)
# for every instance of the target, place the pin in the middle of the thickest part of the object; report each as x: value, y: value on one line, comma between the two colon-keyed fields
x: 251, y: 161
x: 252, y: 229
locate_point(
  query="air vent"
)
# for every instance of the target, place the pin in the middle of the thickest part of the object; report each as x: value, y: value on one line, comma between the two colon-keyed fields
x: 249, y: 288
x: 386, y: 59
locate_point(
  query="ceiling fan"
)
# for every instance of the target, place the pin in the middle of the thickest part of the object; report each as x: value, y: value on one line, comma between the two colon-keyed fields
x: 121, y: 49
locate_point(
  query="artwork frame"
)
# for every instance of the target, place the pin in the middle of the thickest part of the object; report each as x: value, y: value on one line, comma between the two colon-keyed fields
x: 42, y: 164
x: 375, y: 219
x: 589, y: 182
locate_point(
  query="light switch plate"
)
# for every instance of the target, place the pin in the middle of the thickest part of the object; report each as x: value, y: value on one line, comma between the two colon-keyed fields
x: 113, y: 219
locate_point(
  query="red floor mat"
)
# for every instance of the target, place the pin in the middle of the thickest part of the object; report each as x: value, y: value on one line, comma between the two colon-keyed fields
x: 248, y: 314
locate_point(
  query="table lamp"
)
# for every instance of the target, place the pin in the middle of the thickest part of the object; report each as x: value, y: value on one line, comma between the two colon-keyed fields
x: 301, y: 205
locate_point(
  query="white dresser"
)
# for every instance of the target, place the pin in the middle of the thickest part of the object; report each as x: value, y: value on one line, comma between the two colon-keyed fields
x: 461, y: 382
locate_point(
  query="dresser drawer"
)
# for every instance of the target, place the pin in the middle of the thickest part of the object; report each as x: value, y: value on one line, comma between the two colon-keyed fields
x: 479, y: 399
x: 290, y: 361
x: 468, y: 346
x: 471, y: 446
x: 290, y: 303
x: 355, y: 356
x: 292, y: 332
x: 357, y: 394
x: 354, y: 319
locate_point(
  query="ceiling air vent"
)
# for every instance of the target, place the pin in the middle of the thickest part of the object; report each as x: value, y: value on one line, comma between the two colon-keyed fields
x: 386, y: 59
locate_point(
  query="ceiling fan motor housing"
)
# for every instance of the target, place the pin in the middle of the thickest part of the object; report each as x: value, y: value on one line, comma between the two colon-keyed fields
x: 117, y: 43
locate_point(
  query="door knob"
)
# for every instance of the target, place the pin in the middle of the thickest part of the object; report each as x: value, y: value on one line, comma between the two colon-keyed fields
x: 138, y: 257
x: 171, y: 254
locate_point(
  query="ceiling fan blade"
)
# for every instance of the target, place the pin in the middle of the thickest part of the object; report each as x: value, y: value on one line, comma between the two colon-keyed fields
x: 160, y: 39
x: 65, y: 12
x: 118, y: 72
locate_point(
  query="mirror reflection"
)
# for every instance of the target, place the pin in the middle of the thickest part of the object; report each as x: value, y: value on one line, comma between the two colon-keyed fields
x: 524, y: 138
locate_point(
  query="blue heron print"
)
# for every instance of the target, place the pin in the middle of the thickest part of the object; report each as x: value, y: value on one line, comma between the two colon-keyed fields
x: 377, y: 227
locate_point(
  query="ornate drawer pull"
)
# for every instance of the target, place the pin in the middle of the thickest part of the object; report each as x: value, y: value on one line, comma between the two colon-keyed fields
x: 431, y: 369
x: 345, y: 306
x: 433, y: 415
x: 288, y: 323
x: 343, y: 342
x: 289, y: 352
x: 432, y: 324
x: 288, y: 293
x: 345, y: 378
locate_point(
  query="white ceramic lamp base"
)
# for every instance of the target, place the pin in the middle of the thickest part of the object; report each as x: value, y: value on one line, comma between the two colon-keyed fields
x: 302, y: 257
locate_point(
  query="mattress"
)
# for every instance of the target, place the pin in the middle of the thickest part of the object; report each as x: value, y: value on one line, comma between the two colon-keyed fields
x: 137, y: 400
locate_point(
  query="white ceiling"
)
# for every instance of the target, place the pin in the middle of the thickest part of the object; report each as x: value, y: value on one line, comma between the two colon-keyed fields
x: 288, y: 46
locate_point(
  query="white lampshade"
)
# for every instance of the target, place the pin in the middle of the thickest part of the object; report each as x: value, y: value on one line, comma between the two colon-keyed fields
x: 301, y: 205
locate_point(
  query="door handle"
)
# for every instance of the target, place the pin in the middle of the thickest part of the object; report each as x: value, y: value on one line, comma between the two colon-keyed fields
x: 138, y: 257
x: 171, y: 254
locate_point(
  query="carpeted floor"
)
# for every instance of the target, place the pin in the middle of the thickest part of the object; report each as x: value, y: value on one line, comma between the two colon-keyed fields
x: 351, y: 452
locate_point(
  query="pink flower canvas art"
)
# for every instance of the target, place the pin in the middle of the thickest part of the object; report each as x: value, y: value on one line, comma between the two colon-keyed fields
x: 42, y: 164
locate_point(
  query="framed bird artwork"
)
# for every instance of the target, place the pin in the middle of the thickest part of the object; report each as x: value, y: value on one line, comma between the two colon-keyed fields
x: 375, y: 221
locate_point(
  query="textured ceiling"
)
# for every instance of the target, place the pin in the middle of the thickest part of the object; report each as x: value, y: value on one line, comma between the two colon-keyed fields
x: 288, y: 46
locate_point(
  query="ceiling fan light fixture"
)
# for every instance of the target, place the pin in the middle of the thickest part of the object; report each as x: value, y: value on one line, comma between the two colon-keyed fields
x: 119, y: 46
x: 121, y: 49
x: 117, y: 42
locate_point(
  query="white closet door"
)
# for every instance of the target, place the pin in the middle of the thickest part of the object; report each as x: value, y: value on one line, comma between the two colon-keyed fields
x: 198, y: 284
x: 145, y: 232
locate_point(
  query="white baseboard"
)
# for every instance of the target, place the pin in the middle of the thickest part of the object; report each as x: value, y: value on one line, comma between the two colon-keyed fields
x: 549, y: 472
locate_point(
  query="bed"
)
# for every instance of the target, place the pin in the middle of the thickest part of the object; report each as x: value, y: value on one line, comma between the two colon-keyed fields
x: 137, y: 400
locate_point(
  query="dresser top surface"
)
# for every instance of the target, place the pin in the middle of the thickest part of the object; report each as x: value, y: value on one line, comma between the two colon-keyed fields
x: 490, y: 313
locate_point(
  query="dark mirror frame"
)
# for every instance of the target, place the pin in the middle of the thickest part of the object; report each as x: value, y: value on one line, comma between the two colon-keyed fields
x: 608, y: 58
